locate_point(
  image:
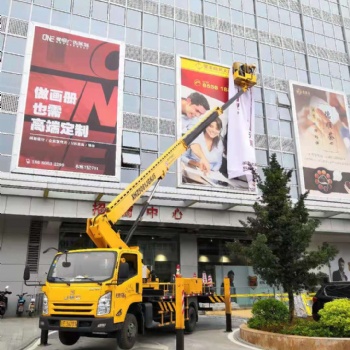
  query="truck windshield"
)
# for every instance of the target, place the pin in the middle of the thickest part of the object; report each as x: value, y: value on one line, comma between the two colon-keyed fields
x: 84, y: 267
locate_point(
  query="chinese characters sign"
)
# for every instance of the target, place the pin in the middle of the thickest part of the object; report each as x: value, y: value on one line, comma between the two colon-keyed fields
x: 203, y: 87
x: 322, y: 126
x: 71, y: 108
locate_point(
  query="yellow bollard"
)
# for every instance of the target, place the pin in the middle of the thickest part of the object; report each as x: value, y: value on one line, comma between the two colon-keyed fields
x: 227, y: 295
x: 180, y: 313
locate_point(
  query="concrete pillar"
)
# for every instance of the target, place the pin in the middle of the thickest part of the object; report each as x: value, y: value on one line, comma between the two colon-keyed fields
x: 188, y: 255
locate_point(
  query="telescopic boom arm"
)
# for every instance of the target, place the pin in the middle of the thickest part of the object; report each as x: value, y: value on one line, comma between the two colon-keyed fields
x: 100, y: 228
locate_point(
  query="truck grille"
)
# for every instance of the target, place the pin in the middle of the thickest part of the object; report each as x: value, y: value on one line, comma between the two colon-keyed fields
x: 80, y: 308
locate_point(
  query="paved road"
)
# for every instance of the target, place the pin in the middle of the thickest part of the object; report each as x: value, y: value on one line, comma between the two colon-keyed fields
x: 210, y: 334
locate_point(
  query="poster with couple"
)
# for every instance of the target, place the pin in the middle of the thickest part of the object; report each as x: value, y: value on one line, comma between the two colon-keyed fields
x: 220, y: 156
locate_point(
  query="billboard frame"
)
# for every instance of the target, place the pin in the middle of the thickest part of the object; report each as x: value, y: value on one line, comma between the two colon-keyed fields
x: 14, y: 168
x: 298, y: 154
x: 178, y: 132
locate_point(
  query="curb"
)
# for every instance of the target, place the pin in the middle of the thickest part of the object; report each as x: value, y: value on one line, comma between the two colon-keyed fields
x: 29, y: 343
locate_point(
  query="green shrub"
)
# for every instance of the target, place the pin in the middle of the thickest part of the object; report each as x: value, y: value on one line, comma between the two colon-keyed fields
x: 336, y: 316
x: 268, y: 314
x: 307, y: 328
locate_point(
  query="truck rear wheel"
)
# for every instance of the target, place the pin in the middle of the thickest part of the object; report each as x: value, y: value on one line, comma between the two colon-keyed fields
x: 126, y: 337
x: 190, y: 324
x: 68, y: 338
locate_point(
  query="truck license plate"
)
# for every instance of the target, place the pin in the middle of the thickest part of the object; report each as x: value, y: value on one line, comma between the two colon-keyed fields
x: 68, y: 324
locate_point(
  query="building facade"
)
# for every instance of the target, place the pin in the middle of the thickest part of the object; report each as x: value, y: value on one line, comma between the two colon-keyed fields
x: 305, y: 41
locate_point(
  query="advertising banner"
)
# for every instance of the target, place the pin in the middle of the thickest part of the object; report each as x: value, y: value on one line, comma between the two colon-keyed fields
x: 203, y: 86
x: 323, y: 140
x: 340, y: 265
x: 72, y: 105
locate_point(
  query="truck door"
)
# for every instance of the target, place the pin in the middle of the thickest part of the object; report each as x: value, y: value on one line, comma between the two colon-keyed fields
x: 132, y: 281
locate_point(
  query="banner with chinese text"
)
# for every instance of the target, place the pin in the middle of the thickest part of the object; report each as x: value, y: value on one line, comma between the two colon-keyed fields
x: 72, y: 105
x: 323, y: 140
x: 203, y: 86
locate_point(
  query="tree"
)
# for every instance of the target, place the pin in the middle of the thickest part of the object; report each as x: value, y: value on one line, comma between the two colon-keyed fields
x: 281, y: 233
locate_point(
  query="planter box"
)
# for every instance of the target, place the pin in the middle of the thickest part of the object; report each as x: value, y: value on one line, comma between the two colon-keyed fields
x: 275, y: 341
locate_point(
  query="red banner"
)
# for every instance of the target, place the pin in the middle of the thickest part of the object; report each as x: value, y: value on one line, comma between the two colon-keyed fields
x: 71, y: 108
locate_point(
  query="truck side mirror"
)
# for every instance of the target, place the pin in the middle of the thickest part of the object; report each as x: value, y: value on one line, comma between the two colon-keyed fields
x: 26, y: 274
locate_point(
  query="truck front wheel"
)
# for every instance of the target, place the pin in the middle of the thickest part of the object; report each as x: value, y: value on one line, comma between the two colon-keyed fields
x: 126, y: 337
x: 68, y: 338
x: 190, y: 324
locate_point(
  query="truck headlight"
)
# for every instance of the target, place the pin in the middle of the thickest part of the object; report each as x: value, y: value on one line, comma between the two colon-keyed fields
x: 45, y: 305
x: 104, y: 304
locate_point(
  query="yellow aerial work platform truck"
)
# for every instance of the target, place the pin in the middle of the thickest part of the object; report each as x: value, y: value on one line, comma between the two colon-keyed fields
x: 107, y: 291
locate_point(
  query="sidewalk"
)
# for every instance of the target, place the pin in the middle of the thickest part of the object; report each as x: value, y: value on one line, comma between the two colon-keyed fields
x: 17, y: 333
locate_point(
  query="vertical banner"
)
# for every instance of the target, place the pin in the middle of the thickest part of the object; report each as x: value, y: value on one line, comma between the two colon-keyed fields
x: 203, y: 86
x: 323, y: 140
x: 72, y: 105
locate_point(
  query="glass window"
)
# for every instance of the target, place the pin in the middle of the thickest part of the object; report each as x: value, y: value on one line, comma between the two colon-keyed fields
x: 263, y: 24
x: 169, y: 181
x: 249, y: 21
x: 116, y: 32
x: 150, y: 41
x: 197, y: 51
x: 295, y: 19
x: 5, y: 163
x: 167, y: 75
x: 259, y: 109
x: 182, y: 4
x: 63, y: 5
x: 167, y: 109
x: 80, y: 23
x: 15, y: 45
x: 20, y: 10
x: 149, y: 142
x: 209, y: 9
x: 60, y: 19
x: 165, y: 142
x: 260, y: 126
x: 13, y: 63
x: 117, y: 14
x: 286, y: 129
x: 273, y: 13
x: 166, y: 27
x: 150, y: 106
x: 167, y: 92
x: 289, y: 58
x: 131, y: 158
x: 46, y: 3
x: 270, y: 96
x: 279, y: 71
x: 133, y: 19
x: 334, y: 69
x: 261, y: 157
x: 273, y: 127
x: 40, y: 14
x: 99, y: 10
x: 211, y: 38
x: 149, y: 89
x: 196, y: 6
x: 147, y: 158
x: 181, y: 31
x: 284, y: 113
x: 288, y: 160
x: 149, y: 72
x: 197, y: 34
x: 212, y: 54
x: 6, y: 142
x: 226, y: 58
x: 131, y: 139
x: 223, y: 13
x: 257, y: 94
x: 166, y: 44
x: 182, y: 47
x: 98, y: 28
x: 133, y: 68
x: 10, y: 82
x: 7, y: 123
x: 265, y: 52
x: 81, y: 7
x: 133, y: 37
x: 4, y: 7
x: 237, y: 17
x: 271, y: 111
x: 277, y: 55
x: 284, y: 16
x: 225, y: 41
x: 252, y: 48
x: 297, y: 34
x: 150, y: 23
x: 132, y: 103
x: 239, y: 45
x: 132, y: 85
